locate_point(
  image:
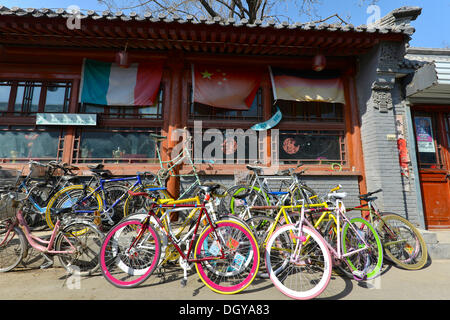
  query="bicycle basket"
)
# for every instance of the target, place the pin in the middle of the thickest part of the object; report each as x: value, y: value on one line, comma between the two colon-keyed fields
x: 38, y: 171
x: 8, y: 206
x: 9, y: 178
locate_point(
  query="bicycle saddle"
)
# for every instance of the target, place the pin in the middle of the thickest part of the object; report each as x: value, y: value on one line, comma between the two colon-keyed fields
x: 157, y: 137
x: 95, y: 166
x: 210, y: 188
x: 255, y: 169
x: 337, y: 195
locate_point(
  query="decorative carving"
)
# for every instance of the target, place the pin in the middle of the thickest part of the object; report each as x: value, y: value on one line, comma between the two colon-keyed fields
x: 382, y: 100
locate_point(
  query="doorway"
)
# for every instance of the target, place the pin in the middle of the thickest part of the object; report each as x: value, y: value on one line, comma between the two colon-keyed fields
x: 432, y: 138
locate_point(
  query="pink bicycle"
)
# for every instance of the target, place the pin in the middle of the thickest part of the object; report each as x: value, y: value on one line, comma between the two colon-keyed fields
x: 76, y: 241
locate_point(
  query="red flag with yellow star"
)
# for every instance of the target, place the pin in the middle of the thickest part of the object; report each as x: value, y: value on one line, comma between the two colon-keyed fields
x: 226, y: 87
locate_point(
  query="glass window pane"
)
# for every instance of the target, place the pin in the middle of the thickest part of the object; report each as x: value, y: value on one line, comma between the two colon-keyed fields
x: 116, y: 145
x: 5, y: 91
x: 28, y: 95
x: 315, y: 146
x: 29, y: 144
x: 56, y: 98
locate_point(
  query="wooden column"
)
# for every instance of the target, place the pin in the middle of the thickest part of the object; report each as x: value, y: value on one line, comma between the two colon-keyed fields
x: 69, y: 137
x: 353, y: 129
x: 176, y: 66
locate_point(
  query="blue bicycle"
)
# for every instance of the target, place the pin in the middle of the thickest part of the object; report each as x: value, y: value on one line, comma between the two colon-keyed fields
x: 104, y: 197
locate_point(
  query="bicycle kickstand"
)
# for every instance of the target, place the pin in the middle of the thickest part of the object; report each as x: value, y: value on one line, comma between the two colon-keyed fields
x: 185, y: 265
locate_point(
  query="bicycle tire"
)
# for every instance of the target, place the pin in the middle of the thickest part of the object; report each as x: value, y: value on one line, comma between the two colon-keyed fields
x: 297, y: 196
x: 237, y: 206
x: 260, y: 226
x: 67, y: 197
x: 133, y: 204
x: 87, y: 239
x: 300, y: 278
x: 129, y: 269
x: 364, y: 264
x: 406, y: 247
x: 13, y: 247
x: 237, y: 271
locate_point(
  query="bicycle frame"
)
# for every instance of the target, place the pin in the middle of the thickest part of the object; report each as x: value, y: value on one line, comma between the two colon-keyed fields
x: 37, y: 243
x: 107, y: 209
x: 175, y: 241
x: 173, y: 163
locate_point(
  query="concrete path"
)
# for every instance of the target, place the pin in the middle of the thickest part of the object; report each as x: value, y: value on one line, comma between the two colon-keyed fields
x: 31, y: 283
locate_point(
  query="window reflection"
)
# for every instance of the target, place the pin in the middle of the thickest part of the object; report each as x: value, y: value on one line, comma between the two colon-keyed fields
x: 115, y: 144
x: 28, y: 144
x: 5, y: 91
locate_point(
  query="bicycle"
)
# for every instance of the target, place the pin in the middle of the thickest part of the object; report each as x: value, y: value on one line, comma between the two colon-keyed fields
x: 258, y: 192
x: 225, y: 252
x: 36, y: 204
x: 168, y: 168
x: 76, y: 242
x: 288, y: 249
x: 109, y: 195
x: 402, y: 242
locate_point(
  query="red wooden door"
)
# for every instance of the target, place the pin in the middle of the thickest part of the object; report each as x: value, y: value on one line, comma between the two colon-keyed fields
x: 432, y: 134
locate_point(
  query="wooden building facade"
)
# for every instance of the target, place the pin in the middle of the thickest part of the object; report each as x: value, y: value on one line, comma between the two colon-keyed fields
x: 41, y: 62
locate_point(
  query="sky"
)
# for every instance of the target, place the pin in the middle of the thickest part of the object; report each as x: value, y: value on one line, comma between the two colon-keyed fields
x: 432, y: 26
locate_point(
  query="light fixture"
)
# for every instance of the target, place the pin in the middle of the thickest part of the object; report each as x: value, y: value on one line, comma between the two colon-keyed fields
x: 319, y: 62
x: 122, y: 58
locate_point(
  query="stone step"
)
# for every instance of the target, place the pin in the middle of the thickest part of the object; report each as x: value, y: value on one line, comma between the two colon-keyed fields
x: 438, y: 243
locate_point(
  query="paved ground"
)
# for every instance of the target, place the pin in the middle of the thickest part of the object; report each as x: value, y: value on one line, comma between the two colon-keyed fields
x: 31, y: 283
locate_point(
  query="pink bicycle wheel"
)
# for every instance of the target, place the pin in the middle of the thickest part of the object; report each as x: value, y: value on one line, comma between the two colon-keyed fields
x: 126, y: 262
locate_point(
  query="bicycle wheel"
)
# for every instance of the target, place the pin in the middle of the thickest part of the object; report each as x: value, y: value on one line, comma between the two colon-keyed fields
x: 133, y: 204
x: 13, y: 247
x: 238, y: 269
x: 85, y: 239
x: 237, y: 206
x: 367, y: 263
x: 402, y: 242
x: 127, y: 260
x: 300, y: 270
x: 72, y: 197
x: 260, y: 227
x: 304, y: 193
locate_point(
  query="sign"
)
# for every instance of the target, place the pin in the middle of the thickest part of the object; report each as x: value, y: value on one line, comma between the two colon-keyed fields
x: 66, y: 119
x: 424, y: 134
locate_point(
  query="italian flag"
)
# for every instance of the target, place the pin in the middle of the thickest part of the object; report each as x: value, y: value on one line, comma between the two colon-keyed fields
x: 304, y: 86
x: 106, y: 83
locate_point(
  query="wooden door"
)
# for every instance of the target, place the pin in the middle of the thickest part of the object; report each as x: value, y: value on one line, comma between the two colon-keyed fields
x: 432, y: 135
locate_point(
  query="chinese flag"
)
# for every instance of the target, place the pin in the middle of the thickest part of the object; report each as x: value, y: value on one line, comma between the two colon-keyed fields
x: 225, y: 87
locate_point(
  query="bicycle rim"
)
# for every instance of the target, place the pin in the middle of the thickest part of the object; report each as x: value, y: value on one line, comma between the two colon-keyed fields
x: 87, y: 240
x: 365, y: 264
x: 69, y: 196
x: 126, y: 262
x: 12, y: 247
x: 299, y: 274
x: 402, y: 242
x: 240, y: 266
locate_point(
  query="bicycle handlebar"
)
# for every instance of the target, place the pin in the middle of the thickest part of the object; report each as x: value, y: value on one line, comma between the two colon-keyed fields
x: 362, y: 196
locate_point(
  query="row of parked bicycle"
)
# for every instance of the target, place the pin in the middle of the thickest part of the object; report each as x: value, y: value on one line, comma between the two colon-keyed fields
x: 128, y: 227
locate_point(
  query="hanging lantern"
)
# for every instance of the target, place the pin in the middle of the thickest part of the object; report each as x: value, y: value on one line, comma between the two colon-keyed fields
x: 319, y: 62
x: 122, y: 59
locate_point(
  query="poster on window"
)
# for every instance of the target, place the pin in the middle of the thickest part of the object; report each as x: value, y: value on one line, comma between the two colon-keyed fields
x: 424, y: 134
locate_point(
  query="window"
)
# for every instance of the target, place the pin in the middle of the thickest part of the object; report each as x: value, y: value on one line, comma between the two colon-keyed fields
x: 30, y: 97
x: 114, y: 145
x: 311, y: 133
x: 154, y: 111
x: 315, y: 146
x: 21, y: 143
